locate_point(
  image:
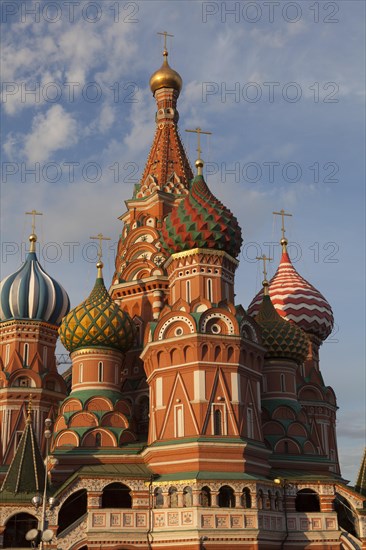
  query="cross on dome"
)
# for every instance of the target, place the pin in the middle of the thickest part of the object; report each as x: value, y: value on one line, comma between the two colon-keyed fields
x: 100, y: 237
x: 282, y: 213
x: 199, y: 161
x: 264, y: 259
x: 33, y: 236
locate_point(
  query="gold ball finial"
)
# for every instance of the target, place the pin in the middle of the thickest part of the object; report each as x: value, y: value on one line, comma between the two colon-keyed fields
x: 32, y: 240
x: 100, y: 265
x: 165, y: 77
x: 265, y: 284
x: 199, y: 165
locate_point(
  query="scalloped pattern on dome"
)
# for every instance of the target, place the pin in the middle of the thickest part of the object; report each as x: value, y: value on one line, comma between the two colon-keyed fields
x: 30, y: 293
x: 280, y: 338
x: 97, y: 322
x: 201, y: 221
x: 297, y: 300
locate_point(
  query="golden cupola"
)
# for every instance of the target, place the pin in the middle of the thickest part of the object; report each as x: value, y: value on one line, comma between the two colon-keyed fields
x: 166, y: 77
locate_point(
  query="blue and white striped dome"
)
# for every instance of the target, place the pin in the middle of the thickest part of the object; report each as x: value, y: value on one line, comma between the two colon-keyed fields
x: 30, y: 293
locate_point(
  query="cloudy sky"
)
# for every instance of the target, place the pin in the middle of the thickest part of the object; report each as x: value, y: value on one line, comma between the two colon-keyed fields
x: 281, y: 88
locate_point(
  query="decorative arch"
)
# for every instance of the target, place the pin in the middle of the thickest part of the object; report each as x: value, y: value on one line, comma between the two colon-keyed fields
x: 16, y: 527
x: 116, y: 495
x: 179, y: 319
x: 99, y: 438
x: 74, y: 507
x: 226, y: 497
x: 307, y: 500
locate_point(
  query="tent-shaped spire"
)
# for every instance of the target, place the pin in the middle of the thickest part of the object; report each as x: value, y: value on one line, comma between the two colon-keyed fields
x: 360, y: 486
x: 26, y: 472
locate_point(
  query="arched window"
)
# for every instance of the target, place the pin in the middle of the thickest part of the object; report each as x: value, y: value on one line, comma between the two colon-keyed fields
x: 205, y: 497
x: 173, y: 497
x: 246, y: 499
x: 187, y: 497
x: 16, y: 528
x: 217, y: 422
x: 81, y: 372
x: 209, y: 290
x: 98, y: 439
x: 307, y: 500
x: 188, y: 291
x: 283, y: 382
x: 26, y: 355
x: 158, y: 498
x: 100, y: 371
x: 269, y: 500
x: 226, y: 497
x: 74, y: 507
x: 45, y: 350
x: 278, y: 502
x: 116, y: 495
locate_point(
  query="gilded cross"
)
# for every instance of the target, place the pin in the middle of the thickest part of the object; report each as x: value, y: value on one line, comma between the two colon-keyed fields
x: 100, y: 237
x: 282, y: 213
x: 165, y: 34
x: 34, y: 213
x: 198, y: 131
x: 264, y: 259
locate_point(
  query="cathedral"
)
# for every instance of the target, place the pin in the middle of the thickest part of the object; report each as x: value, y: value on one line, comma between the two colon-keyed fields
x: 186, y: 420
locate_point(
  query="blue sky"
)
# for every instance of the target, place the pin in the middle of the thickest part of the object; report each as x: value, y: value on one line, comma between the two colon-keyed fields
x: 281, y: 88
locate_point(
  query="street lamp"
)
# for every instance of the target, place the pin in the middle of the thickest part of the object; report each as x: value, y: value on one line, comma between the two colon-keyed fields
x: 284, y: 485
x: 42, y: 535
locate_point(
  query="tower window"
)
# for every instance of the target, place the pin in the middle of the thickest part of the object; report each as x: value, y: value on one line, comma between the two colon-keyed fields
x: 217, y: 422
x: 7, y: 354
x: 26, y: 354
x: 188, y: 291
x: 45, y: 356
x: 100, y: 371
x: 209, y: 290
x: 81, y: 372
x: 283, y: 382
x: 250, y: 427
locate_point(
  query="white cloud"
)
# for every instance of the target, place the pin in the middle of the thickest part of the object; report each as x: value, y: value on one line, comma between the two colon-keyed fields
x: 52, y: 131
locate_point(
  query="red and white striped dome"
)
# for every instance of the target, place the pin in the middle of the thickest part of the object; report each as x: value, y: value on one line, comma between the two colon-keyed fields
x: 297, y: 300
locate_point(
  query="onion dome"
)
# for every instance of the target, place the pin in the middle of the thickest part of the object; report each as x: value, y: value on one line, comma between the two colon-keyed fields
x: 30, y: 293
x: 201, y: 221
x: 165, y: 77
x: 97, y: 322
x: 297, y: 300
x: 280, y: 338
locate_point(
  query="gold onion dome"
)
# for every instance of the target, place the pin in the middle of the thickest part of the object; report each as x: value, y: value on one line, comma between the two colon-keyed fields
x: 97, y: 322
x: 165, y: 77
x: 281, y: 338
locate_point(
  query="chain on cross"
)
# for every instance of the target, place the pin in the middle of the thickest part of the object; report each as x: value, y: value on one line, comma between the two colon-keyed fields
x: 282, y: 213
x: 34, y: 213
x: 100, y: 237
x: 165, y: 34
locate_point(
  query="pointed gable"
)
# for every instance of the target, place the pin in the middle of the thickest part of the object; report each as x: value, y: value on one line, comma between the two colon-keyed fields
x: 26, y: 472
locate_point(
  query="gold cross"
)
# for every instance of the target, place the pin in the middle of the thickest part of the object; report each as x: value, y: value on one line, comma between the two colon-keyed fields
x: 34, y: 213
x: 282, y: 213
x: 165, y: 34
x: 264, y: 259
x: 198, y: 131
x: 100, y: 237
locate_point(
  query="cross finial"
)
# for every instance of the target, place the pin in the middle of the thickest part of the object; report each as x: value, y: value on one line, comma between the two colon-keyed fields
x: 199, y: 162
x: 282, y: 213
x: 100, y: 237
x: 165, y: 34
x: 264, y: 259
x: 33, y: 236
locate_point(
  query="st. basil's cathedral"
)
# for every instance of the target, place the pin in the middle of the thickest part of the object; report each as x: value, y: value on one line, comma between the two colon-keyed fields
x: 186, y: 421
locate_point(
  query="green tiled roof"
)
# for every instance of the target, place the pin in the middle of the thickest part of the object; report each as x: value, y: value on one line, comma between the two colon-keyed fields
x: 26, y: 472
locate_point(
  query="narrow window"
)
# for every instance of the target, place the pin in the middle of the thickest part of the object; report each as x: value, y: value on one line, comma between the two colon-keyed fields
x: 81, y: 372
x: 45, y: 356
x: 250, y: 423
x: 100, y: 371
x: 283, y: 382
x: 7, y: 354
x: 217, y: 422
x: 209, y: 290
x: 188, y: 291
x: 26, y: 354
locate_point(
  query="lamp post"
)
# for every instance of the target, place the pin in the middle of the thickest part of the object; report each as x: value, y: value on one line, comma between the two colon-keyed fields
x: 42, y: 535
x: 284, y: 485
